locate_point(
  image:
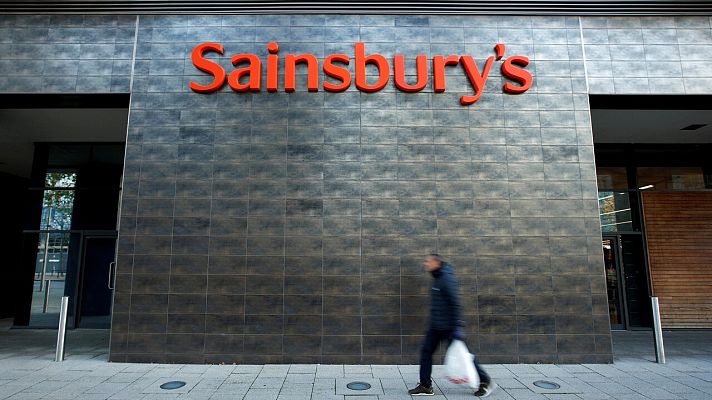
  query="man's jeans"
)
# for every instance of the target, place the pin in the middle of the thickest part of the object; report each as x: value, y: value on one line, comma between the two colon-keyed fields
x: 432, y: 340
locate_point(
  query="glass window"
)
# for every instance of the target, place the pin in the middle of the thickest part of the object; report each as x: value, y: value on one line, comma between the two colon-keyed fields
x: 615, y: 308
x: 50, y: 271
x: 53, y: 247
x: 671, y: 178
x: 58, y: 204
x: 614, y: 178
x: 61, y: 179
x: 615, y: 211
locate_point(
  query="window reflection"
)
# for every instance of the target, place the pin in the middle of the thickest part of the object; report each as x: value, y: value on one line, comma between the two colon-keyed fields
x: 612, y: 178
x: 62, y: 179
x: 615, y: 211
x: 57, y: 204
x: 53, y: 246
x: 671, y: 178
x: 50, y: 273
x: 612, y: 283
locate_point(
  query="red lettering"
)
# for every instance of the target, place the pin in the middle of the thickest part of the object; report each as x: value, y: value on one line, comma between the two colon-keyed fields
x: 421, y: 67
x: 439, y: 63
x: 339, y: 73
x: 247, y: 75
x: 272, y: 66
x: 376, y: 59
x: 254, y: 71
x: 208, y: 66
x: 290, y: 72
x: 512, y: 68
x: 499, y: 48
x: 476, y: 79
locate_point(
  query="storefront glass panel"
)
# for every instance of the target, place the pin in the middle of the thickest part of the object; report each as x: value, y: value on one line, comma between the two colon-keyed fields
x: 53, y: 247
x: 671, y: 178
x: 612, y: 178
x: 615, y: 211
x: 611, y: 259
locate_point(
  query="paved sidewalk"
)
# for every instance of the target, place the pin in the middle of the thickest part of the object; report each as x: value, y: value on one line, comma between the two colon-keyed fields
x: 30, y: 373
x: 79, y: 378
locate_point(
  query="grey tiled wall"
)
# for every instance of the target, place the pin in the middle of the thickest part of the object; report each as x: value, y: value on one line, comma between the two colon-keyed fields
x: 648, y: 55
x: 274, y: 227
x: 65, y: 54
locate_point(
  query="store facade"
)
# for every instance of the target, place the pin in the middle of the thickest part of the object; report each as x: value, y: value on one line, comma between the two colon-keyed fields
x: 271, y: 212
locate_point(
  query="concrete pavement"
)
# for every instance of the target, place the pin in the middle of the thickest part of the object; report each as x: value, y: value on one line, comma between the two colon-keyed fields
x: 28, y: 372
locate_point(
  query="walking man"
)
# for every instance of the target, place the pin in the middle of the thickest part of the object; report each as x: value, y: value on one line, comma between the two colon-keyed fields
x: 446, y: 324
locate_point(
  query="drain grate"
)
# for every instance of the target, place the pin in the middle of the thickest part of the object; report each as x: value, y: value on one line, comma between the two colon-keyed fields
x: 358, y: 385
x: 547, y: 385
x: 173, y: 385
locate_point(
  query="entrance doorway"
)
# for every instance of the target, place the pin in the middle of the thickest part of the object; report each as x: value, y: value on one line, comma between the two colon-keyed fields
x: 67, y: 152
x: 637, y: 293
x: 626, y: 280
x: 74, y: 250
x: 75, y: 247
x: 654, y: 148
x: 611, y: 260
x: 96, y: 285
x: 77, y: 264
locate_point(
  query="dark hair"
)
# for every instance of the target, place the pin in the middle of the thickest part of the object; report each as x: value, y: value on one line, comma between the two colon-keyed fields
x: 437, y: 257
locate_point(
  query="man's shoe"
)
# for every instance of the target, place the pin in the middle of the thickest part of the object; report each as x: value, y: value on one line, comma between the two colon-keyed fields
x: 486, y: 389
x: 421, y: 390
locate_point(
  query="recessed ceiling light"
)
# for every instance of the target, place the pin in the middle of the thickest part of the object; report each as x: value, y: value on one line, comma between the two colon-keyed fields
x: 693, y: 127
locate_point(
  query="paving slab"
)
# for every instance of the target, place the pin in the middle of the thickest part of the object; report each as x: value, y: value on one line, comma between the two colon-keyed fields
x: 30, y: 373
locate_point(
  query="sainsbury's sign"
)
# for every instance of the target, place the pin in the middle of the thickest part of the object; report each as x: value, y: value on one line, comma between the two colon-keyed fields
x: 249, y: 77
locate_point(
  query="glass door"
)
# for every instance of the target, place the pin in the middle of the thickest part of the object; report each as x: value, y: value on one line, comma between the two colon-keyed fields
x: 70, y: 234
x: 611, y: 258
x: 635, y: 279
x: 52, y: 278
x: 96, y: 283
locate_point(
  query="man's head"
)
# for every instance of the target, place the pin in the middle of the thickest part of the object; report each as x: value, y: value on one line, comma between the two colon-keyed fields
x: 433, y: 262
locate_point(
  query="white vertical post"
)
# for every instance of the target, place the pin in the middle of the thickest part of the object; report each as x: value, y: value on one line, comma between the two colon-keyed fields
x: 62, y: 329
x: 659, y: 347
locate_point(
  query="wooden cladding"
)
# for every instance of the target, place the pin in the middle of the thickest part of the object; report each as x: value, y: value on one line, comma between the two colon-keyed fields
x: 679, y: 233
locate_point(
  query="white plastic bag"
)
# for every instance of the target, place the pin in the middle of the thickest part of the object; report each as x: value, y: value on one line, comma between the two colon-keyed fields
x: 459, y: 365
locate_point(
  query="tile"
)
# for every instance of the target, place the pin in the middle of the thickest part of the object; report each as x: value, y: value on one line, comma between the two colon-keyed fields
x: 317, y: 180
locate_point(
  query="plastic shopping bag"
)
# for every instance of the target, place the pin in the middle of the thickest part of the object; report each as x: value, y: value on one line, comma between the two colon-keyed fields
x: 459, y: 365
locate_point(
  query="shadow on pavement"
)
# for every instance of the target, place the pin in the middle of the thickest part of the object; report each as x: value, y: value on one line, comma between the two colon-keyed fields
x: 639, y: 344
x: 40, y: 343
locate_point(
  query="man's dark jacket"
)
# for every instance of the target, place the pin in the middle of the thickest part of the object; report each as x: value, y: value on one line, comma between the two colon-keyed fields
x: 445, y: 307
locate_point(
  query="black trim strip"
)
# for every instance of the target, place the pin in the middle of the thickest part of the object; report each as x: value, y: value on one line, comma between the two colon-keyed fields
x: 653, y: 155
x: 61, y: 100
x: 650, y: 102
x: 521, y: 7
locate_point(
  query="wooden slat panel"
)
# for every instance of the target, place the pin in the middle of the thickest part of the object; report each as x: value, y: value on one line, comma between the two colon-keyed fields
x: 679, y: 233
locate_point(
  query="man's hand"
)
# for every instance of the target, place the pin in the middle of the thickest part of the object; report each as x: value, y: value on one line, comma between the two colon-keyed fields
x: 458, y: 334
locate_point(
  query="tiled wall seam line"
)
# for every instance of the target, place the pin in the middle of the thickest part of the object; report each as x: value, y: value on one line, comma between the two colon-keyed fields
x: 583, y: 55
x: 121, y: 198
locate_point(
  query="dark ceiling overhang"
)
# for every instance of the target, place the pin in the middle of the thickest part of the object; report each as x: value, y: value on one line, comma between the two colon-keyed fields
x: 522, y: 7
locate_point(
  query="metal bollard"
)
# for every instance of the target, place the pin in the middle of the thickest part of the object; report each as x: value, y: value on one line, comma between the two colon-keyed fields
x: 658, y: 337
x: 62, y: 329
